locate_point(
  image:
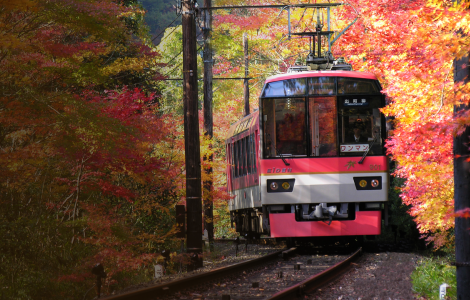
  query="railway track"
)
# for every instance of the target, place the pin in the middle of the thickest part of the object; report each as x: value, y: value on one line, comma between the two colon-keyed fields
x: 316, y: 281
x: 279, y: 275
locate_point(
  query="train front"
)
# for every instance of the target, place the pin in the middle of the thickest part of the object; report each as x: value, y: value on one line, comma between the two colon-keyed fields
x: 323, y: 169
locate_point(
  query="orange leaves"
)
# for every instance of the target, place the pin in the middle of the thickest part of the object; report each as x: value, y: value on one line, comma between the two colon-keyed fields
x: 418, y: 43
x: 463, y: 213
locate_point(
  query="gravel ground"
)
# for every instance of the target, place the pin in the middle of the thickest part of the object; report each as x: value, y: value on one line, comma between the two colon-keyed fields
x: 374, y: 276
x: 263, y: 282
x: 223, y: 254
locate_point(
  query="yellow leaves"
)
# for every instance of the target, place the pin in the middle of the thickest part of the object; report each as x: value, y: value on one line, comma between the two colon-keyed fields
x: 125, y: 64
x: 378, y: 24
x: 132, y: 14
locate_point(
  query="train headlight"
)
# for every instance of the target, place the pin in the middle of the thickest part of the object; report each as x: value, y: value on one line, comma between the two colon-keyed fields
x: 367, y: 183
x: 274, y: 185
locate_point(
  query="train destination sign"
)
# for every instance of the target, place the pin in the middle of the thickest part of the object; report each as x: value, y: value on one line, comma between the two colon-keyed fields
x: 354, y: 148
x: 356, y: 102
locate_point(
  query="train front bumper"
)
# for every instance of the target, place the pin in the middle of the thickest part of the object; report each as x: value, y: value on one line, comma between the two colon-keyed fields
x: 285, y: 225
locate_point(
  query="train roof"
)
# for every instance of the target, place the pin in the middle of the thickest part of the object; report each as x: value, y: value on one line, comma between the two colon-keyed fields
x: 353, y: 74
x: 236, y: 128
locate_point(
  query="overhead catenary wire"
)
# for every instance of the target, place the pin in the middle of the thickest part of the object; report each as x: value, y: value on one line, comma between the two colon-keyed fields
x: 283, y: 7
x: 164, y: 38
x: 168, y: 73
x: 171, y: 60
x: 177, y: 16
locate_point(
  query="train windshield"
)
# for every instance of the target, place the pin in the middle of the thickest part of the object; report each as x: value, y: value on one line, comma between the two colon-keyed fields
x: 360, y: 125
x: 335, y: 117
x: 284, y: 127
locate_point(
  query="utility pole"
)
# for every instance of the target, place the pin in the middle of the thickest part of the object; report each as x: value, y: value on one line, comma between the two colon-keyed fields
x: 462, y: 190
x: 246, y: 87
x: 191, y: 135
x: 208, y: 122
x: 462, y: 187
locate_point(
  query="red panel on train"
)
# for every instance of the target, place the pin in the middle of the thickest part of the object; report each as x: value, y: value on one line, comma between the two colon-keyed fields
x: 285, y: 225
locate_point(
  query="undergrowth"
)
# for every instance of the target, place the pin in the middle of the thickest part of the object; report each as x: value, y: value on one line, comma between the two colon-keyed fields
x: 430, y: 274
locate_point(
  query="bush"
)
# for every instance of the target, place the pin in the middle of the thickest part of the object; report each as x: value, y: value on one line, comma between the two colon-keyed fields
x: 430, y: 274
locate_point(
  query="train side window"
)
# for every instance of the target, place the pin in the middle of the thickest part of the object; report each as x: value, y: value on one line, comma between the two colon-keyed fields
x: 243, y: 145
x: 248, y: 156
x: 232, y: 161
x: 236, y: 159
x: 240, y: 158
x: 244, y: 156
x: 243, y: 149
x: 255, y: 147
x: 230, y: 165
x: 230, y: 149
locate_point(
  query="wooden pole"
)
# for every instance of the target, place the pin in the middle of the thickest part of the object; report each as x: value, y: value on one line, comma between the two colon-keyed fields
x: 462, y: 187
x: 208, y: 122
x: 191, y: 136
x: 462, y: 191
x: 246, y: 87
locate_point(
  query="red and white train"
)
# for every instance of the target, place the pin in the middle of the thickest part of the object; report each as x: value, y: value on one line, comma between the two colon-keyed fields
x: 311, y: 161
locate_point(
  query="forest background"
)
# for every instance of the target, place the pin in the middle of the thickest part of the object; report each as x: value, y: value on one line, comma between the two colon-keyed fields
x: 91, y: 137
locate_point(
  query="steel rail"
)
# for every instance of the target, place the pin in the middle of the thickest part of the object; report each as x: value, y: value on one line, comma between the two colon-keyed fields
x: 203, y: 278
x: 316, y: 281
x: 262, y: 240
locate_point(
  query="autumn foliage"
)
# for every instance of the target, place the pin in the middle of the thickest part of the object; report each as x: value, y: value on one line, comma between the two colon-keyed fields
x: 89, y: 167
x: 91, y: 142
x: 411, y: 47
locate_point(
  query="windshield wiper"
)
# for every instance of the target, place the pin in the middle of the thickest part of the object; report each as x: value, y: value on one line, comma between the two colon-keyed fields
x: 282, y: 157
x: 368, y: 149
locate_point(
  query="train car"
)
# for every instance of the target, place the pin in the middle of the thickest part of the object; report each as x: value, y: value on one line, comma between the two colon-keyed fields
x: 311, y: 161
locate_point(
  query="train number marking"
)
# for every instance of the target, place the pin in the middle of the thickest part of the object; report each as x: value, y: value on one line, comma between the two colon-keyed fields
x: 375, y: 167
x: 284, y: 170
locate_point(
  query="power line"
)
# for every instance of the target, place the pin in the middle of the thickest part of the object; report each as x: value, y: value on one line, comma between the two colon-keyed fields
x: 174, y: 28
x: 177, y: 16
x: 182, y: 52
x: 317, y: 5
x: 216, y: 78
x: 168, y: 73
